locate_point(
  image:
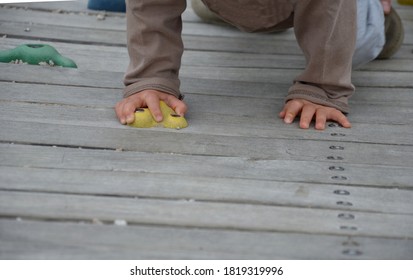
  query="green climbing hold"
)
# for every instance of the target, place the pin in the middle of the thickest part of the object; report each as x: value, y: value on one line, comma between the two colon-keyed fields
x: 36, y: 54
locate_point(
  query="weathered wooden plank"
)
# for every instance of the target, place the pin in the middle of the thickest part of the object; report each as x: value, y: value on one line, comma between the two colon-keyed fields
x: 404, y: 11
x: 204, y: 214
x: 276, y: 61
x: 96, y: 58
x: 64, y: 6
x: 250, y: 113
x: 258, y: 121
x: 12, y: 22
x: 309, y: 168
x: 118, y: 23
x: 234, y: 45
x: 393, y: 64
x: 111, y: 37
x: 265, y: 45
x: 47, y: 240
x: 80, y: 6
x: 54, y: 94
x: 100, y: 57
x: 187, y: 187
x: 62, y: 33
x: 115, y: 38
x: 77, y: 77
x: 198, y: 90
x: 224, y: 182
x: 60, y: 17
x: 360, y: 78
x: 189, y: 15
x: 22, y: 122
x: 65, y: 76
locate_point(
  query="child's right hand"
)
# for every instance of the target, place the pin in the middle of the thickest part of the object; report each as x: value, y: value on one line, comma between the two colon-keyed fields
x: 308, y: 111
x: 125, y: 109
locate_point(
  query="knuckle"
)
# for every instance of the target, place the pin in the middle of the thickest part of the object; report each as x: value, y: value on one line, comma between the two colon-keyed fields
x: 119, y: 104
x: 290, y: 114
x: 184, y: 107
x: 295, y: 102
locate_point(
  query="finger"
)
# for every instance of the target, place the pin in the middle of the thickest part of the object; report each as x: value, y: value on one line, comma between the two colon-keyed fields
x: 175, y: 104
x: 343, y: 120
x: 340, y: 118
x: 129, y: 111
x: 307, y: 114
x: 292, y: 109
x: 321, y: 119
x: 125, y: 109
x: 282, y: 113
x: 152, y: 101
x: 118, y: 111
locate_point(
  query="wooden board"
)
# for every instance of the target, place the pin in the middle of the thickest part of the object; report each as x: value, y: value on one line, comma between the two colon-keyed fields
x: 68, y: 76
x: 204, y: 215
x: 34, y: 240
x: 100, y: 57
x: 252, y: 124
x: 185, y: 186
x: 69, y: 170
x: 161, y: 159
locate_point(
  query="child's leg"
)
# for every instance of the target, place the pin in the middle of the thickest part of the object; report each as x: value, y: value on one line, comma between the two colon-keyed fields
x: 370, y: 32
x: 326, y: 32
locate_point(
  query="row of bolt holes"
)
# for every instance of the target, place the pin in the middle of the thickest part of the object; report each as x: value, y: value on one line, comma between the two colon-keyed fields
x: 343, y: 216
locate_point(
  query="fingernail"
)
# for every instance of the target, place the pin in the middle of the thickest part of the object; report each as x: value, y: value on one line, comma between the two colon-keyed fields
x: 158, y: 118
x: 130, y: 119
x: 287, y: 120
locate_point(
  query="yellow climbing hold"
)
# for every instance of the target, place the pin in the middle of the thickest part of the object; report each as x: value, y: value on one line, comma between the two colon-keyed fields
x: 144, y: 119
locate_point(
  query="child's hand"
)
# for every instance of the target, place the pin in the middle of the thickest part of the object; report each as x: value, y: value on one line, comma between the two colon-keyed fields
x: 125, y: 109
x: 308, y: 110
x: 386, y: 6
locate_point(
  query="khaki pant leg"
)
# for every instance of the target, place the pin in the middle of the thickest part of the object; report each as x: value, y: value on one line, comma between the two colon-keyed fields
x: 326, y: 32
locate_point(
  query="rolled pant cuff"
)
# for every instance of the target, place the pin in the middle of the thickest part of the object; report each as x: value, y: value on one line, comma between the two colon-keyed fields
x: 339, y: 104
x: 160, y: 84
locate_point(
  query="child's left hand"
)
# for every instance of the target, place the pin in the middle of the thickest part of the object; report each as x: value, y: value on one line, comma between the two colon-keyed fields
x: 308, y: 110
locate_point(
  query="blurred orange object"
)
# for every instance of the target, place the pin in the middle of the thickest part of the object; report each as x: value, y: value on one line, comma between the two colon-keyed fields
x: 405, y: 2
